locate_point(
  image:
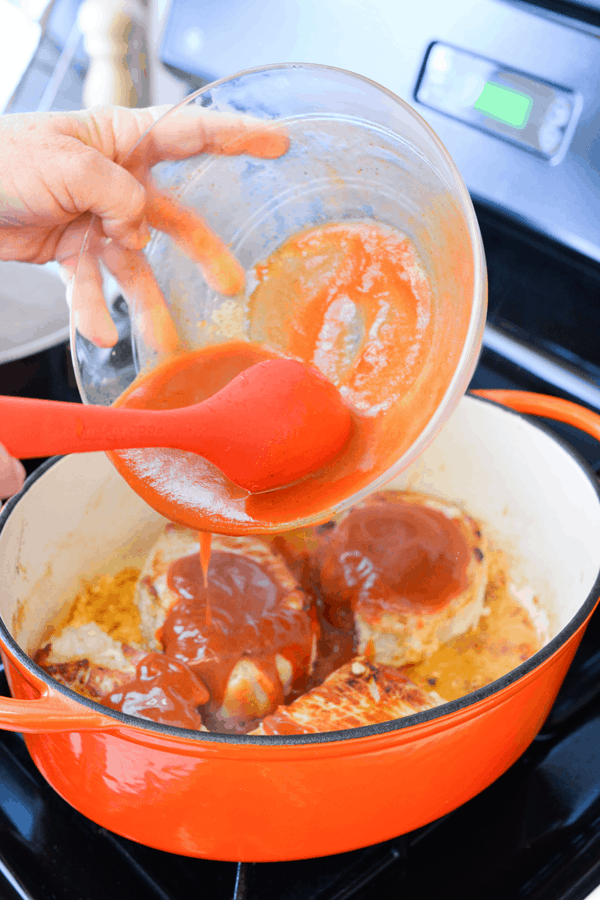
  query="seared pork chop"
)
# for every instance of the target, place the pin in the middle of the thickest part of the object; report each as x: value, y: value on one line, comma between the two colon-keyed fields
x: 89, y: 661
x: 413, y: 570
x: 359, y: 693
x: 250, y: 633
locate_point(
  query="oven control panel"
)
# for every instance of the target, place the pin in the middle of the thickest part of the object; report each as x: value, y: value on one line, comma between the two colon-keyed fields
x: 511, y: 89
x: 535, y: 115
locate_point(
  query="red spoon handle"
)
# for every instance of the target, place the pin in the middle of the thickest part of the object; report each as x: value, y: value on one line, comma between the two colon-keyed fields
x: 32, y: 428
x: 274, y: 423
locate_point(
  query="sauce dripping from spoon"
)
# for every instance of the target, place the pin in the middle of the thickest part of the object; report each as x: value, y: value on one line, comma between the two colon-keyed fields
x: 205, y: 538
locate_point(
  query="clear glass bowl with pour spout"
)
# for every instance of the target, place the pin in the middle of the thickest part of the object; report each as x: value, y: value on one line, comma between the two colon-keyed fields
x: 357, y: 154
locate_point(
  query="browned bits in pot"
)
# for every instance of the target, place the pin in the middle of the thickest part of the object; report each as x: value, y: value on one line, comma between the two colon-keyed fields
x: 108, y: 601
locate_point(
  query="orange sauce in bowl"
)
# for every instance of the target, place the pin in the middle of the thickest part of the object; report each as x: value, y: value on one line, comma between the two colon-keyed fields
x: 351, y: 299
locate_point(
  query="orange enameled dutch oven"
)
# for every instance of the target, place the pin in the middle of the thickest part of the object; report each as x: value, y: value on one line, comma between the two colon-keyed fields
x: 274, y: 798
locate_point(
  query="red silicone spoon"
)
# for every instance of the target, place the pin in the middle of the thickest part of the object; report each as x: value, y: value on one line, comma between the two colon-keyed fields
x: 274, y: 423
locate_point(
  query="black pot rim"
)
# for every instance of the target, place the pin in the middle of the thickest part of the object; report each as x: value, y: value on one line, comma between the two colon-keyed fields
x: 537, y: 660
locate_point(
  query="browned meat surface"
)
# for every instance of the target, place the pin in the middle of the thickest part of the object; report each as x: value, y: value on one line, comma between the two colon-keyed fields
x: 83, y: 676
x: 359, y: 693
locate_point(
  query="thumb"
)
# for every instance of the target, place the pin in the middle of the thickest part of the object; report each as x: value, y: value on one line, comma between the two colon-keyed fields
x: 98, y: 185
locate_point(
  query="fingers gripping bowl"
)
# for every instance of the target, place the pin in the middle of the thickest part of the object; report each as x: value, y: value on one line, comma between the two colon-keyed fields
x: 276, y: 797
x: 358, y: 158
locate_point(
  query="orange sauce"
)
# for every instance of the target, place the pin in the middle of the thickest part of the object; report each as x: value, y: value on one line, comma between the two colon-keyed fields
x: 205, y: 539
x: 406, y: 556
x: 350, y: 299
x: 247, y: 621
x: 164, y: 690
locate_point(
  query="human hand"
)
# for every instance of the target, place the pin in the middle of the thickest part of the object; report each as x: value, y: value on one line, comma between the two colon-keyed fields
x: 12, y: 474
x: 59, y: 170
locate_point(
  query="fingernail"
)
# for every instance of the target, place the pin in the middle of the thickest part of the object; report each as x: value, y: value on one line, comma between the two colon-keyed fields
x: 64, y: 274
x: 99, y: 330
x: 142, y: 236
x: 69, y: 291
x: 12, y: 476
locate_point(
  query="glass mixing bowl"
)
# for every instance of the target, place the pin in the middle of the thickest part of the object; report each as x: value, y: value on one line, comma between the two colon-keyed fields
x: 357, y: 154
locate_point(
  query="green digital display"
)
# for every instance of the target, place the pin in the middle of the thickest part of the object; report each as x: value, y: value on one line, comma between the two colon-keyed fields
x: 504, y: 105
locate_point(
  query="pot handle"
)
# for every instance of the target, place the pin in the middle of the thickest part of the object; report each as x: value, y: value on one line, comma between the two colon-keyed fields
x: 550, y: 407
x: 50, y: 712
